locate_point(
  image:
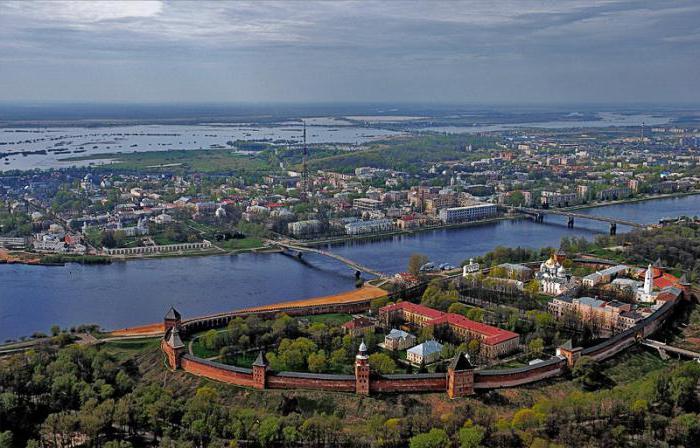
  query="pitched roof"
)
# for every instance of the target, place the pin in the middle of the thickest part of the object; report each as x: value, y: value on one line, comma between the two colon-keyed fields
x: 491, y: 335
x: 397, y: 334
x: 174, y: 340
x: 567, y: 345
x: 359, y: 322
x: 172, y: 314
x: 461, y: 362
x: 426, y: 348
x: 260, y: 360
x: 414, y: 308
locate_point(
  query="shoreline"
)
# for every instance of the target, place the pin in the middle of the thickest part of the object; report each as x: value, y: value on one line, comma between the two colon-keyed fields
x: 377, y: 236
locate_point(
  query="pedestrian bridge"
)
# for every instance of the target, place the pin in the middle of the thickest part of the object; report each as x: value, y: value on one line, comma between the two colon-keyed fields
x: 665, y: 349
x: 351, y: 264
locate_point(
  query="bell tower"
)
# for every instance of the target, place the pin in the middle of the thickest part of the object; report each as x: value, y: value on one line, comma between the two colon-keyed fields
x: 362, y: 370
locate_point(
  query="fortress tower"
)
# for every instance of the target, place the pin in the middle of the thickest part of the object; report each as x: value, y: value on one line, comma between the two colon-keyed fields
x: 460, y: 377
x: 172, y: 319
x: 362, y: 370
x: 260, y: 371
x: 173, y: 347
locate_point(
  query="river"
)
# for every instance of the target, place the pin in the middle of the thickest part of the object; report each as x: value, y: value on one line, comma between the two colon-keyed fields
x: 32, y: 298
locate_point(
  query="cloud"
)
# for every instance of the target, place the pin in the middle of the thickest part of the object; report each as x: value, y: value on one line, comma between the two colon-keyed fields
x: 80, y: 12
x: 351, y: 49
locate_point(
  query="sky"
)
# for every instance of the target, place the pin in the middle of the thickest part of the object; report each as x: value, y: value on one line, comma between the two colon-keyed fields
x: 468, y: 52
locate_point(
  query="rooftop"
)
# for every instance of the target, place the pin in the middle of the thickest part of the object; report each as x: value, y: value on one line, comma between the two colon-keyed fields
x: 426, y: 348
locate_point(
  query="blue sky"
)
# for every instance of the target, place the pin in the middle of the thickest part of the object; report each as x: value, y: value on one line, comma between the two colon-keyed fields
x: 522, y: 51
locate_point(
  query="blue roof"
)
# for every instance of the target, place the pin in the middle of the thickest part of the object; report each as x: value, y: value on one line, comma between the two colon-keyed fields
x: 426, y: 348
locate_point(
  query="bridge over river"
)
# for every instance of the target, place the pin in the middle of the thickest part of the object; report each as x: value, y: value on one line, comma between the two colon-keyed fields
x: 538, y: 214
x: 350, y: 263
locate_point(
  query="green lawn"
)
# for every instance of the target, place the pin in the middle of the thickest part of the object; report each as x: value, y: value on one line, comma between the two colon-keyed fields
x: 201, y: 351
x: 334, y: 319
x: 239, y: 244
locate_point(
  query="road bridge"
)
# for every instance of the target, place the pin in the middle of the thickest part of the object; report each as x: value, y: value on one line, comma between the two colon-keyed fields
x: 357, y: 267
x: 538, y: 214
x: 665, y: 349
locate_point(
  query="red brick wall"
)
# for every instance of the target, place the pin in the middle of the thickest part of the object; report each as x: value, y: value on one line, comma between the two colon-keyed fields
x: 516, y: 379
x: 218, y: 374
x: 282, y: 382
x: 409, y: 385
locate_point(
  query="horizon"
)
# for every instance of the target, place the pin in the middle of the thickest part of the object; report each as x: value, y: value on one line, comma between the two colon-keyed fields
x: 473, y: 52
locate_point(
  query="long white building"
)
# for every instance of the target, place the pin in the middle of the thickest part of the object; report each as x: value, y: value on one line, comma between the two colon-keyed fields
x: 469, y: 213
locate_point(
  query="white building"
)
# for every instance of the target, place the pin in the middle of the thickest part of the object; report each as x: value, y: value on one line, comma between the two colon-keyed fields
x: 398, y: 340
x: 470, y: 268
x: 304, y: 228
x: 371, y: 226
x: 425, y: 353
x: 553, y: 277
x: 469, y: 213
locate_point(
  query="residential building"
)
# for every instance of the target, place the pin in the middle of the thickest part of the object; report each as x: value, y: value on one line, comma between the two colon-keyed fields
x: 494, y: 341
x: 425, y: 353
x: 469, y: 213
x: 399, y: 340
x: 371, y: 226
x: 358, y: 326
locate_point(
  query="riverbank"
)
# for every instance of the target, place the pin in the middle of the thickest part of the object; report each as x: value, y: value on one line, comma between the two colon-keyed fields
x: 378, y: 236
x: 632, y: 200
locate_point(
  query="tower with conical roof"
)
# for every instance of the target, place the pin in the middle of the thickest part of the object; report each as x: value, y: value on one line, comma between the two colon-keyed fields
x: 172, y: 319
x: 173, y: 346
x: 362, y: 370
x: 260, y: 371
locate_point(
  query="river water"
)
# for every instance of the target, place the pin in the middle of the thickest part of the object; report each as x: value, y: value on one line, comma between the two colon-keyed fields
x: 32, y: 298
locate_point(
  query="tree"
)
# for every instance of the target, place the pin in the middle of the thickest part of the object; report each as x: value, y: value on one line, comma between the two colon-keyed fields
x: 382, y: 363
x: 684, y: 430
x: 526, y: 419
x: 317, y: 361
x: 470, y: 436
x: 6, y: 439
x: 269, y: 430
x: 536, y: 346
x: 435, y: 438
x: 415, y: 261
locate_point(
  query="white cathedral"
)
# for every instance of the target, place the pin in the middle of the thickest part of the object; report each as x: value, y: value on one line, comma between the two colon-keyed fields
x: 553, y: 277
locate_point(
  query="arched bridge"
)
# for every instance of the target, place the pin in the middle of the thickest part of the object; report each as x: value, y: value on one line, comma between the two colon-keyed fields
x: 539, y: 213
x: 351, y: 264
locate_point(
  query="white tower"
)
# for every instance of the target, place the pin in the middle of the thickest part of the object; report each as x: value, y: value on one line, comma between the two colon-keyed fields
x: 649, y: 280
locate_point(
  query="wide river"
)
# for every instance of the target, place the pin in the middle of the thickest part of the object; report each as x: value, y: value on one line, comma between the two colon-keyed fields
x: 32, y: 298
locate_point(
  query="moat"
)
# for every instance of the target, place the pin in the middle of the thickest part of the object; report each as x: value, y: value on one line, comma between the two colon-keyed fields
x: 32, y: 298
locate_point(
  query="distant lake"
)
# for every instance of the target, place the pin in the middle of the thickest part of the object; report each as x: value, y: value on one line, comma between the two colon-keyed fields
x: 75, y: 141
x: 32, y: 298
x: 606, y: 120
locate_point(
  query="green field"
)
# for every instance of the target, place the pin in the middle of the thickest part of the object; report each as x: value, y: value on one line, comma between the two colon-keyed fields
x: 333, y: 319
x: 128, y: 348
x: 239, y: 244
x: 204, y: 160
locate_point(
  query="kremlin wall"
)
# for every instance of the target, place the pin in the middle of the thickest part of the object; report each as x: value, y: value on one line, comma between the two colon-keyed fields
x: 461, y: 378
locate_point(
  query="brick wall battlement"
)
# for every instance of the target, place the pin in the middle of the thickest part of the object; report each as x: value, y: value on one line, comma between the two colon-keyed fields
x: 436, y: 382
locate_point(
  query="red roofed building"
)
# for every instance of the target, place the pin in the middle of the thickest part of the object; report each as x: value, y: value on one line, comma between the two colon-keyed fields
x: 357, y: 326
x: 494, y: 341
